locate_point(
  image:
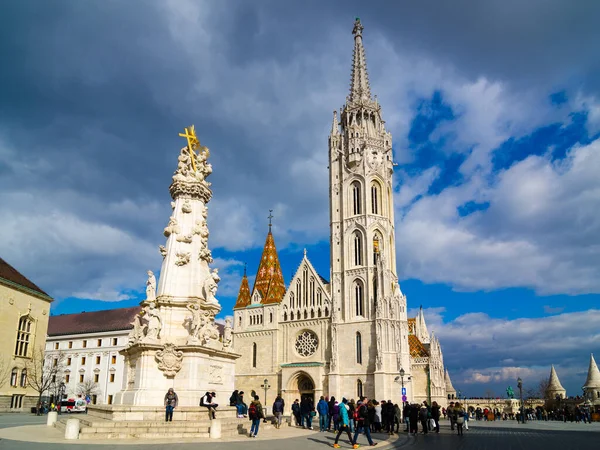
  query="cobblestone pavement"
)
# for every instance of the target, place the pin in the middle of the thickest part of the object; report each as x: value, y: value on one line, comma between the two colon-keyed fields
x: 25, y: 428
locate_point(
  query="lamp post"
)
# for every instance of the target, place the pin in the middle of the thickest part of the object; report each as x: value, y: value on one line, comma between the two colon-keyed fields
x: 520, y: 386
x: 266, y: 387
x: 401, y: 378
x: 61, y: 393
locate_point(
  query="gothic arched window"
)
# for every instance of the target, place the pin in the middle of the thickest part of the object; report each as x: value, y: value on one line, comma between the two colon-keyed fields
x: 23, y: 335
x: 254, y: 355
x: 377, y: 247
x: 23, y: 382
x: 291, y: 299
x: 375, y: 198
x: 358, y: 298
x: 358, y: 260
x: 13, y: 377
x: 356, y: 198
x: 359, y: 388
x: 358, y: 348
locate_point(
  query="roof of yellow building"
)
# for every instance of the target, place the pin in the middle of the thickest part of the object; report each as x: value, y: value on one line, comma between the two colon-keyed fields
x: 269, y: 280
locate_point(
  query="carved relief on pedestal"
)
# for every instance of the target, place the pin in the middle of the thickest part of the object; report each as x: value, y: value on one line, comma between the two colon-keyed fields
x: 183, y: 258
x: 201, y: 325
x: 169, y: 360
x: 215, y: 374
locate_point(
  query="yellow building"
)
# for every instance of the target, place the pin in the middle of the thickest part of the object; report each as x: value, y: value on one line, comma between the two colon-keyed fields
x: 24, y: 310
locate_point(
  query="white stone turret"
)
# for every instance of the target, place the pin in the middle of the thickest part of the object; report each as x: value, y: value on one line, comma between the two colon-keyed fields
x: 592, y: 383
x: 450, y: 391
x: 421, y: 327
x: 554, y: 387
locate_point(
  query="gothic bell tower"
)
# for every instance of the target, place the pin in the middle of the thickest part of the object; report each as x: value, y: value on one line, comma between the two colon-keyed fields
x: 369, y: 310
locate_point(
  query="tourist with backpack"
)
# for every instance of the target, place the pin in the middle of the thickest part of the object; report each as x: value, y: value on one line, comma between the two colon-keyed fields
x: 344, y: 423
x: 363, y: 424
x: 255, y: 414
x: 278, y: 406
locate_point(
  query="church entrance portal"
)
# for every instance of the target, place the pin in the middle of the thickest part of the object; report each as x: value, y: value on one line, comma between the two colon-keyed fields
x: 302, y: 386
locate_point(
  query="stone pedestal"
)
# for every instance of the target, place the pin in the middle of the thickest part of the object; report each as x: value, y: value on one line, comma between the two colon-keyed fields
x: 215, y: 429
x: 72, y: 429
x: 52, y: 418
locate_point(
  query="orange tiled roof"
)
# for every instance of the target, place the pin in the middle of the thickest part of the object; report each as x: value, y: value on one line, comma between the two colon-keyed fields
x: 243, y: 298
x: 269, y: 279
x: 416, y: 348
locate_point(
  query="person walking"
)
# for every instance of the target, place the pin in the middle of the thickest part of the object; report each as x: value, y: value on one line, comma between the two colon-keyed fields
x: 397, y: 417
x: 330, y: 405
x: 413, y: 419
x: 363, y: 425
x: 344, y: 423
x: 466, y: 416
x: 450, y: 412
x: 255, y: 414
x: 171, y: 402
x: 459, y: 413
x: 306, y: 408
x: 296, y: 412
x: 435, y: 415
x: 423, y: 413
x: 278, y: 406
x: 352, y: 406
x: 323, y: 410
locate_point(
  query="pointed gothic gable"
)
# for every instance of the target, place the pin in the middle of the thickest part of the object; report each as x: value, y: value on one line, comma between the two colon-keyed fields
x: 243, y: 298
x: 269, y: 279
x: 322, y: 302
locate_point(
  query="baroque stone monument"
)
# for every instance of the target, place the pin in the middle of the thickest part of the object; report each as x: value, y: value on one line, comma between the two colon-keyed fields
x: 174, y: 341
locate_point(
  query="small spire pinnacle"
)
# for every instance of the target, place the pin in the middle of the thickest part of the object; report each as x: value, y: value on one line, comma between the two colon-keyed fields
x: 270, y: 216
x: 334, y: 125
x: 359, y: 83
x: 245, y: 264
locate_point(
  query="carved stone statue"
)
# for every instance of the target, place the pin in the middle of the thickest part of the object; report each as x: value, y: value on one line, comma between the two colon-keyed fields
x: 206, y: 255
x: 210, y: 286
x: 154, y: 322
x: 334, y: 354
x: 183, y: 258
x: 195, y: 320
x: 227, y: 334
x: 151, y: 287
x: 163, y: 250
x: 186, y: 239
x: 172, y: 227
x: 138, y: 331
x: 186, y: 208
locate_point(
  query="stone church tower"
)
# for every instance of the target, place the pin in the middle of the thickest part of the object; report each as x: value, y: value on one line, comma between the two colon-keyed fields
x: 369, y: 310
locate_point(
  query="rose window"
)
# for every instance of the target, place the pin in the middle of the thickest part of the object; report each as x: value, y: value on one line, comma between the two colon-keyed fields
x: 307, y: 343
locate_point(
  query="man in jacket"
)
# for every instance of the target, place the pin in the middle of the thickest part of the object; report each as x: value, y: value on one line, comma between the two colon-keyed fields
x: 363, y: 424
x: 323, y: 410
x: 296, y: 412
x: 278, y: 406
x: 255, y: 411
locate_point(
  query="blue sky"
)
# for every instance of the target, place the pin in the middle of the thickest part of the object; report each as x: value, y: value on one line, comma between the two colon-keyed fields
x: 495, y: 115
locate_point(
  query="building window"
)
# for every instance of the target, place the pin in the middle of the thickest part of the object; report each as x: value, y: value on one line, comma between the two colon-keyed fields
x: 56, y: 346
x: 115, y: 341
x: 356, y: 201
x: 97, y: 360
x: 16, y: 401
x: 70, y: 344
x: 254, y: 355
x: 112, y: 378
x: 67, y: 378
x: 357, y: 249
x: 375, y: 199
x: 23, y: 382
x: 83, y: 360
x: 81, y: 378
x: 359, y: 388
x: 94, y: 399
x: 113, y: 359
x: 23, y: 334
x: 358, y: 348
x: 358, y: 298
x: 96, y: 377
x: 13, y: 377
x: 99, y: 342
x: 109, y: 400
x: 84, y: 344
x: 55, y: 362
x: 68, y: 361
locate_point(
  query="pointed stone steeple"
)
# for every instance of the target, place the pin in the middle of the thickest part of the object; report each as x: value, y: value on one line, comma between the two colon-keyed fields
x: 269, y: 280
x: 593, y: 378
x: 421, y: 327
x: 243, y: 298
x: 554, y: 386
x: 450, y: 391
x: 360, y: 88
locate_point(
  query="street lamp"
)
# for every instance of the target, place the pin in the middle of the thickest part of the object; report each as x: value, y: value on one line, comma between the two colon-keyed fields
x: 266, y: 387
x: 61, y: 393
x: 520, y: 386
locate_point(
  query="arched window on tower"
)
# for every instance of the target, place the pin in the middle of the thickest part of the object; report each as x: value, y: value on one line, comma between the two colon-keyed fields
x: 358, y: 298
x: 23, y: 336
x: 254, y: 355
x: 23, y: 382
x: 299, y: 292
x: 375, y: 198
x: 13, y: 377
x: 358, y: 348
x: 359, y: 389
x: 356, y: 200
x: 377, y: 247
x: 358, y: 260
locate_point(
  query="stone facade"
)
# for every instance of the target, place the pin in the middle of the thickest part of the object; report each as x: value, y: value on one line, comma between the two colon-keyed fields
x: 348, y: 336
x: 24, y: 310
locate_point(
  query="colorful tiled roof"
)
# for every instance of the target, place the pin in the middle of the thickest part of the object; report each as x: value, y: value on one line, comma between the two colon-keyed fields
x: 243, y: 298
x: 92, y: 322
x: 11, y: 275
x: 269, y: 279
x: 416, y: 348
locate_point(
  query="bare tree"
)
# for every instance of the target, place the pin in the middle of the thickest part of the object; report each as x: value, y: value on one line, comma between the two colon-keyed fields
x: 43, y: 372
x: 4, y: 370
x: 543, y: 389
x: 88, y: 388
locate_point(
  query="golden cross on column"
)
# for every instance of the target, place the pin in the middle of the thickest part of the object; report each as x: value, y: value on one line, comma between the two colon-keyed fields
x: 193, y: 143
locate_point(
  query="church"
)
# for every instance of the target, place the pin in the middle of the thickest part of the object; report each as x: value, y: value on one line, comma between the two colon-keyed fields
x: 350, y: 335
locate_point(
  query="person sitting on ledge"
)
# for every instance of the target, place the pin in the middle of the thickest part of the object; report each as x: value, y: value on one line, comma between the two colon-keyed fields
x: 207, y: 402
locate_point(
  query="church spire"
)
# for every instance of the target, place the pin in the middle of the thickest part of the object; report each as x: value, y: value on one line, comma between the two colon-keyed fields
x: 269, y: 280
x: 593, y: 378
x: 359, y: 82
x: 243, y: 298
x: 554, y: 386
